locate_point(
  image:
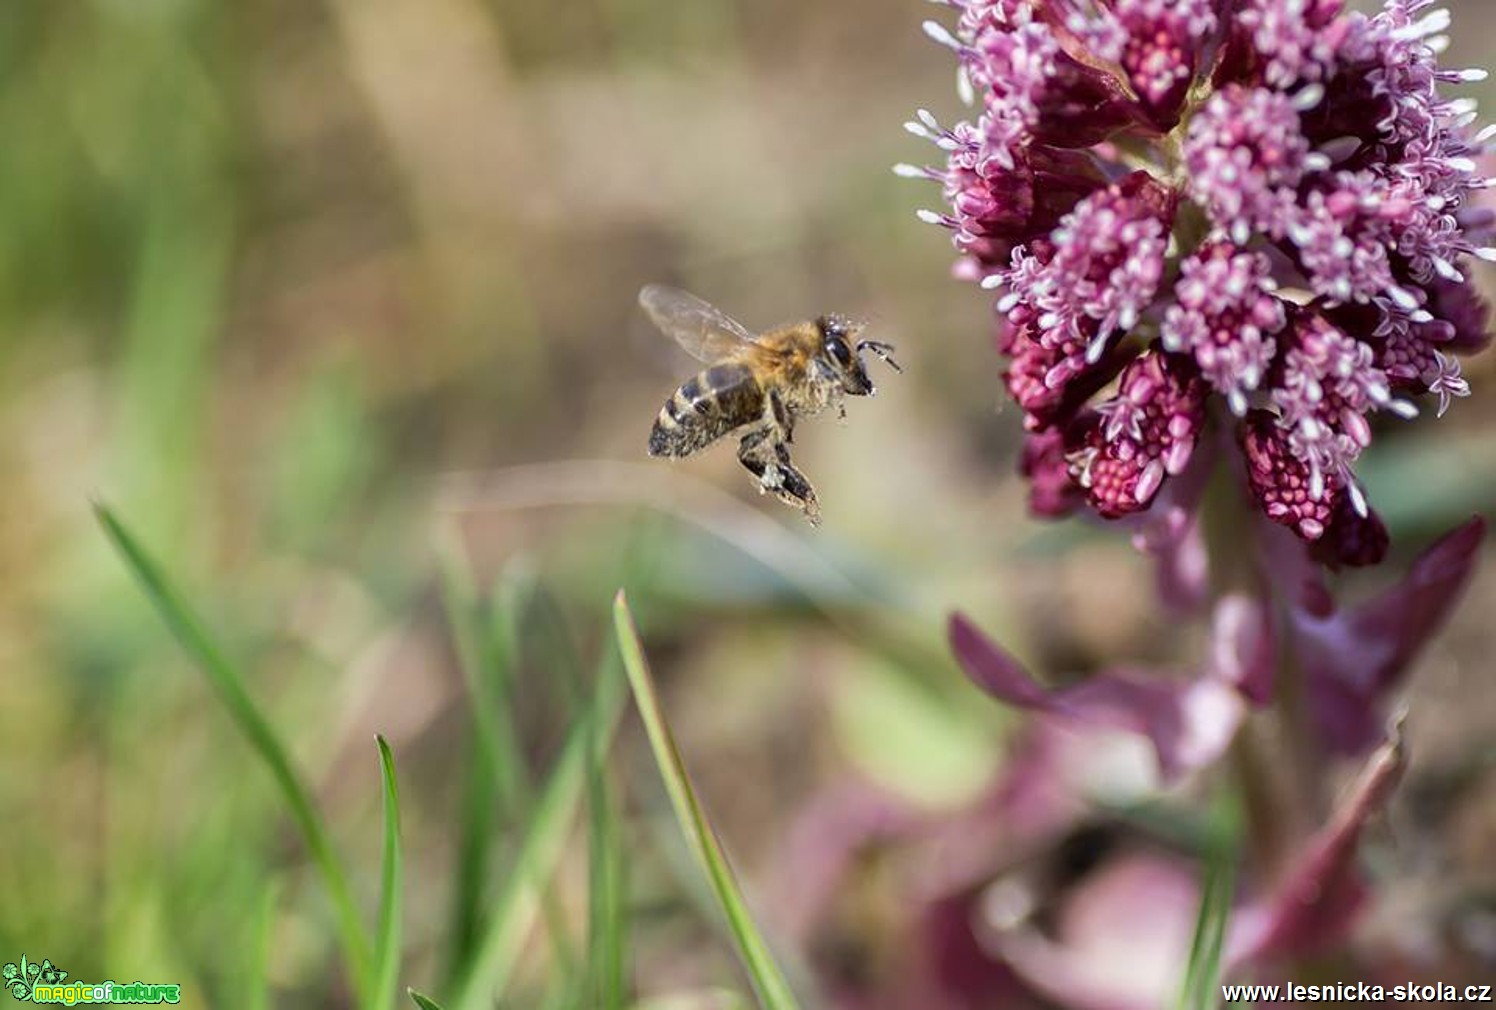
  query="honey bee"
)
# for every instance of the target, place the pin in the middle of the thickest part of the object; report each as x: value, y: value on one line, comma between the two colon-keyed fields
x: 757, y: 386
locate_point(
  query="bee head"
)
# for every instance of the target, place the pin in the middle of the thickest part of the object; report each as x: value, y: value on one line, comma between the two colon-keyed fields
x: 837, y: 334
x: 843, y: 352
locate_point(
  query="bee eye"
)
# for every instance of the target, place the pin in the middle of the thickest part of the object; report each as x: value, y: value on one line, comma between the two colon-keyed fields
x: 839, y: 351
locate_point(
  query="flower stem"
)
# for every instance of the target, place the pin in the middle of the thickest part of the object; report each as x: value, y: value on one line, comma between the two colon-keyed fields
x: 1271, y: 758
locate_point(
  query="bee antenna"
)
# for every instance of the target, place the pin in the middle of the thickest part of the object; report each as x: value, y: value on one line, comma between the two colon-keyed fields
x: 882, y: 350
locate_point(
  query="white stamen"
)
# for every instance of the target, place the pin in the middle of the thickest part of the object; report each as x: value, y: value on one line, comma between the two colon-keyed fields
x: 929, y: 216
x: 1403, y: 409
x: 939, y: 33
x: 1309, y: 97
x: 1340, y: 148
x: 1432, y: 23
x: 1358, y: 499
x: 1403, y: 298
x: 904, y: 170
x: 1447, y: 270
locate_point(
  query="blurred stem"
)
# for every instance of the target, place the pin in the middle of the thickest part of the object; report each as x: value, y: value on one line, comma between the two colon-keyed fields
x: 1226, y: 524
x: 1271, y: 790
x: 1267, y: 844
x: 1291, y: 708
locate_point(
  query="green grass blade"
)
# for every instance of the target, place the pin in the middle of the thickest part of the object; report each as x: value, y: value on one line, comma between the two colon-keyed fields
x: 551, y: 637
x: 257, y: 968
x: 498, y: 789
x: 515, y: 910
x: 476, y: 828
x: 423, y: 1001
x: 229, y: 683
x: 1202, y: 979
x: 773, y: 991
x: 1203, y: 973
x: 549, y: 646
x: 1199, y: 967
x: 607, y: 922
x: 391, y: 888
x: 485, y: 657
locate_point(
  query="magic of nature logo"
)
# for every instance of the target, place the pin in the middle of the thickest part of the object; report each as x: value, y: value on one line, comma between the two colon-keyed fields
x: 47, y: 983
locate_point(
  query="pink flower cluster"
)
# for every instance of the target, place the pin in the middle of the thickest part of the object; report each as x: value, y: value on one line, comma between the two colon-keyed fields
x: 1269, y: 200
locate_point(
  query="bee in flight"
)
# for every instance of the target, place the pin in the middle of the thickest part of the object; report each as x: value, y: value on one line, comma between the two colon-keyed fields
x: 757, y: 386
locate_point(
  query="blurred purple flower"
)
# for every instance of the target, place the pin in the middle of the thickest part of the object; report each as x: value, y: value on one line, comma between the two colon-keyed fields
x: 1244, y: 648
x: 1188, y: 721
x: 1122, y: 934
x: 1353, y: 658
x: 1028, y: 899
x: 1350, y: 659
x: 1315, y: 902
x: 1268, y: 200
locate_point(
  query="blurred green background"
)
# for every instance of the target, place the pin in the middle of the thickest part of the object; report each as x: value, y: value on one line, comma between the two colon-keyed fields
x: 327, y: 297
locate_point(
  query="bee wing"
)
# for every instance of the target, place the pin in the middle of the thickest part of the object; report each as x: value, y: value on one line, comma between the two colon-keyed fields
x: 706, y: 332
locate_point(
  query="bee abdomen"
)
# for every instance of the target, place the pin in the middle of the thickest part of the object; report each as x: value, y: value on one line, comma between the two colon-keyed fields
x: 705, y: 408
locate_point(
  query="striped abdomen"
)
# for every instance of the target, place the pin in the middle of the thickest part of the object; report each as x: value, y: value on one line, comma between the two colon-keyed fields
x: 705, y: 408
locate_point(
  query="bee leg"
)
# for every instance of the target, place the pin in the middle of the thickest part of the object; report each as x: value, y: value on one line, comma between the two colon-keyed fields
x: 795, y: 489
x: 779, y: 418
x: 769, y: 461
x: 754, y: 451
x: 756, y: 456
x: 767, y: 458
